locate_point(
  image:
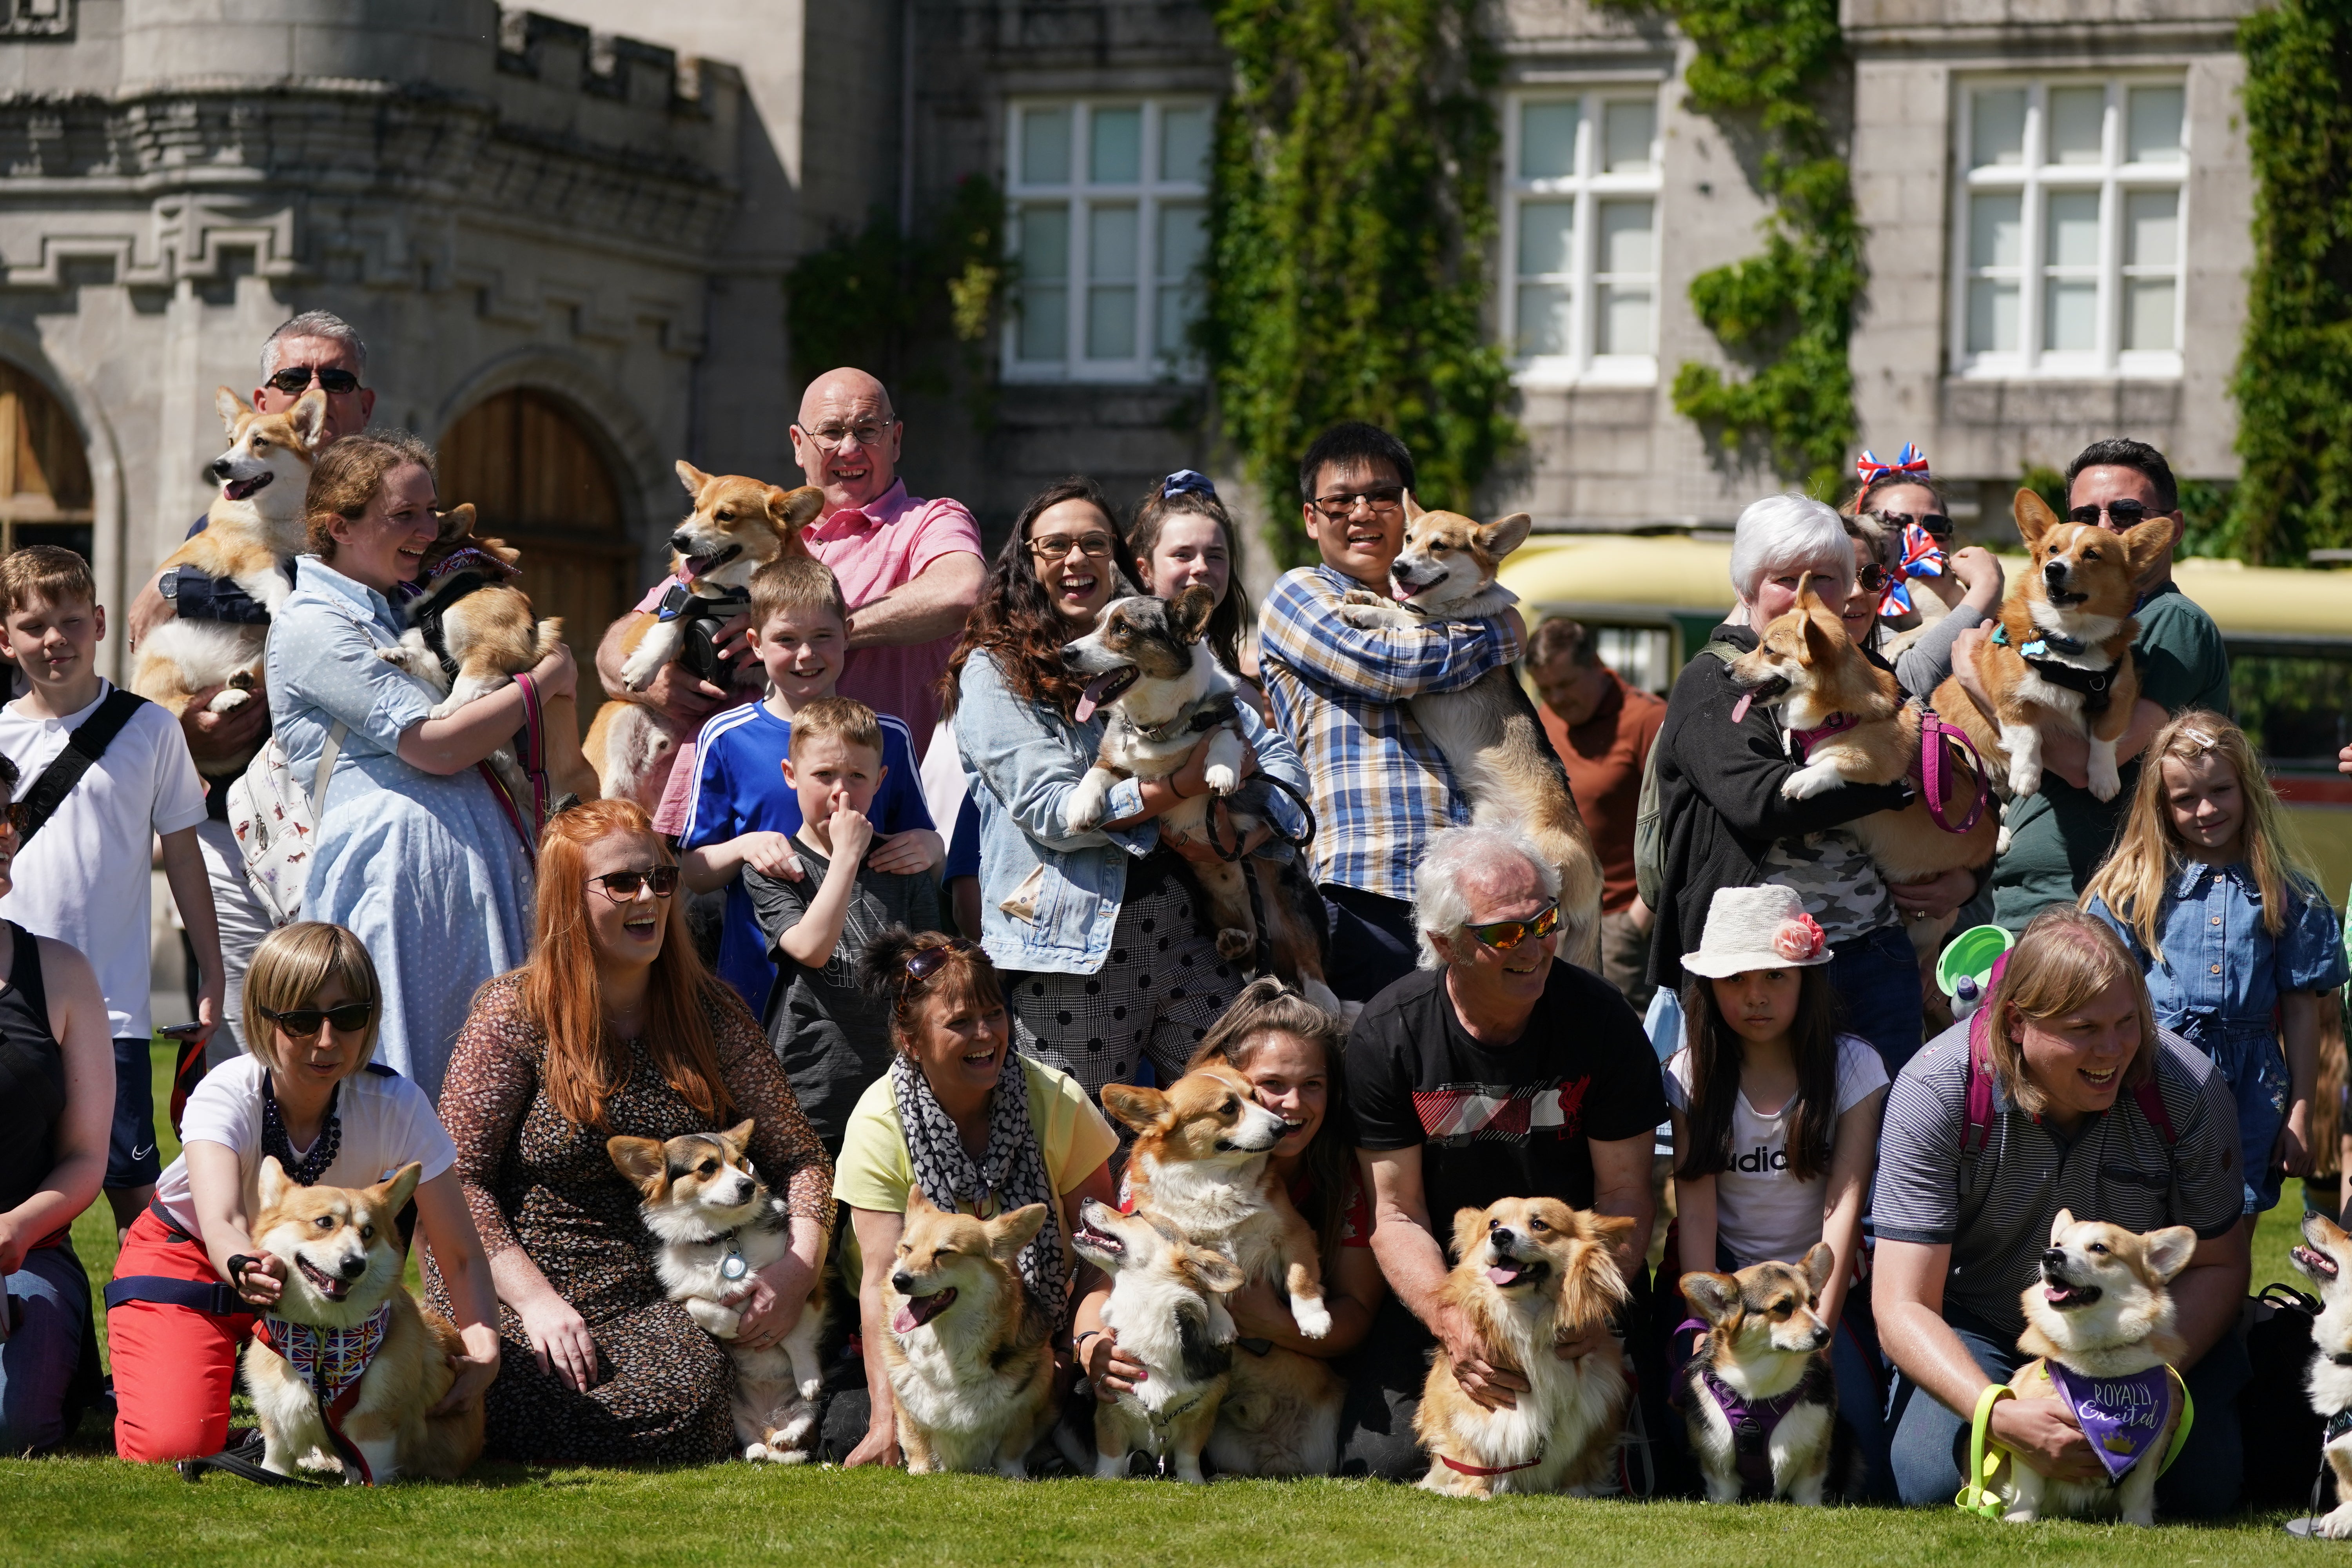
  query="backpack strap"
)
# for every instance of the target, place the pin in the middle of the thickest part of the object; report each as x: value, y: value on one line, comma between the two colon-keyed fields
x: 1979, y: 1112
x: 84, y: 745
x: 327, y: 755
x: 2151, y: 1105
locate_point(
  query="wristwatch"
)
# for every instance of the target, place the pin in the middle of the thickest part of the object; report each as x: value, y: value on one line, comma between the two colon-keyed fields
x: 168, y: 584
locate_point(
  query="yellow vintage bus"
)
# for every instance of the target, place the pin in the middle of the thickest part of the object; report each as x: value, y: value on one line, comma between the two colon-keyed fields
x: 1653, y: 599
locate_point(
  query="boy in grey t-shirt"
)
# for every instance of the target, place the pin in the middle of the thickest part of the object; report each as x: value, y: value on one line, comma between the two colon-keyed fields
x: 832, y: 1037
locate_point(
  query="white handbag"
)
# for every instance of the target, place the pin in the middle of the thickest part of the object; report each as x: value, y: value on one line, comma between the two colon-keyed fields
x: 275, y: 821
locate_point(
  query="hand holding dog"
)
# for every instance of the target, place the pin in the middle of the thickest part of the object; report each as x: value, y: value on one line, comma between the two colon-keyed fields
x: 260, y: 1282
x: 557, y: 674
x: 1592, y: 1339
x: 1935, y: 897
x: 1489, y: 1386
x: 771, y: 1301
x: 475, y: 1372
x: 2044, y: 1436
x: 1110, y: 1370
x: 215, y: 738
x: 560, y: 1339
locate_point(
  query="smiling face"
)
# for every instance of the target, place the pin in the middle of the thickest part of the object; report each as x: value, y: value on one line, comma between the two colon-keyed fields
x: 2205, y: 806
x: 385, y: 544
x: 1290, y: 1077
x: 1140, y: 638
x: 626, y: 932
x: 1210, y: 1115
x: 945, y: 1258
x: 1191, y: 549
x: 338, y: 1242
x: 1078, y: 585
x: 803, y: 648
x: 1506, y: 980
x: 959, y: 1041
x: 2077, y: 1059
x: 2103, y: 1285
x: 1366, y: 541
x: 847, y: 439
x: 2110, y: 482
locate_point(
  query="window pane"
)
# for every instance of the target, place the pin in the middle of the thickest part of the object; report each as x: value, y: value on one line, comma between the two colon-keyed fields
x: 1184, y: 144
x: 1183, y: 235
x: 1111, y: 243
x: 1997, y: 127
x: 1045, y: 322
x: 1045, y: 265
x: 1624, y: 237
x: 1116, y: 139
x: 1111, y: 255
x: 1547, y: 140
x: 2148, y: 313
x: 2077, y: 114
x: 1625, y: 321
x: 2154, y: 136
x: 1995, y: 231
x: 1179, y: 307
x: 1546, y: 237
x: 1110, y: 322
x: 2072, y: 239
x: 2152, y: 228
x: 1044, y: 243
x: 1045, y: 146
x: 1992, y: 317
x: 2071, y: 316
x: 1628, y: 128
x: 1543, y: 319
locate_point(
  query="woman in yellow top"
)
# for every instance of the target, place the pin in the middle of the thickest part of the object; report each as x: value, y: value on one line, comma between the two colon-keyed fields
x: 948, y: 1119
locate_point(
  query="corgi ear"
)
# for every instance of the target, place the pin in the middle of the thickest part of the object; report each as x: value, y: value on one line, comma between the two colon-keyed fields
x: 2059, y: 1225
x: 457, y: 523
x: 1412, y: 508
x: 917, y: 1204
x: 1135, y: 1105
x: 640, y: 1160
x: 1503, y: 535
x: 1008, y: 1234
x: 2033, y: 516
x: 271, y: 1181
x: 738, y: 1137
x: 2145, y: 544
x: 1715, y: 1297
x: 1469, y: 1225
x: 1824, y: 629
x: 1820, y: 1261
x: 1189, y: 612
x: 394, y: 1193
x: 231, y: 408
x: 1608, y: 1229
x: 692, y: 478
x: 1215, y: 1270
x: 2168, y: 1250
x: 310, y: 418
x: 793, y: 510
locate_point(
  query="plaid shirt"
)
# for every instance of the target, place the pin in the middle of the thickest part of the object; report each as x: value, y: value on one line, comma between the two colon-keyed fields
x: 1382, y: 787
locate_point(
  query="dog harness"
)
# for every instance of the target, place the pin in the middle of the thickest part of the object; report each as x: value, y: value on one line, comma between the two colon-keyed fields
x: 2095, y: 686
x: 462, y: 573
x: 702, y: 612
x: 1836, y: 724
x: 1207, y: 716
x: 1940, y: 743
x: 1753, y: 1421
x: 331, y: 1362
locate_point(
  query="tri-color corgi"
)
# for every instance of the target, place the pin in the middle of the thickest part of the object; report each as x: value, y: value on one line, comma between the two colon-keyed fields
x: 2323, y: 1259
x: 1167, y: 1307
x: 1758, y: 1394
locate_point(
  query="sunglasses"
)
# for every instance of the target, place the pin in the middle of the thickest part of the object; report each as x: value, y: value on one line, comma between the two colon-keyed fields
x: 621, y: 886
x: 1379, y: 501
x: 1934, y: 524
x: 925, y: 963
x: 1873, y: 578
x: 2125, y: 514
x: 297, y: 378
x: 1504, y: 935
x: 303, y: 1022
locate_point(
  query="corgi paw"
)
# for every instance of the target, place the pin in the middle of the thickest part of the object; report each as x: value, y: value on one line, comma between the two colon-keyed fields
x: 2337, y: 1525
x: 1808, y: 781
x: 1313, y: 1318
x: 811, y: 1387
x: 1085, y: 809
x: 447, y: 706
x: 1233, y: 944
x: 2001, y: 841
x: 638, y: 670
x: 1369, y: 614
x: 755, y: 1452
x: 1221, y: 779
x: 2024, y: 778
x: 2105, y: 782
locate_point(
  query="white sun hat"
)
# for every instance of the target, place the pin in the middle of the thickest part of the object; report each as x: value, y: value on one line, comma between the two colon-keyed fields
x: 1757, y: 927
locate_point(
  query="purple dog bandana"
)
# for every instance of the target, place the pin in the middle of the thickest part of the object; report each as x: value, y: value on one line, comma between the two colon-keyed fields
x: 2123, y: 1416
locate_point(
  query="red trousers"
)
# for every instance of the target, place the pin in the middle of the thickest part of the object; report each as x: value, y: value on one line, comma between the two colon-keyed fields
x: 173, y: 1364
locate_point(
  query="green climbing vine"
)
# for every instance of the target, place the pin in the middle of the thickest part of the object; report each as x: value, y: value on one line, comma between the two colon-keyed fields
x: 1351, y: 210
x: 1788, y: 313
x: 883, y: 302
x: 2293, y: 381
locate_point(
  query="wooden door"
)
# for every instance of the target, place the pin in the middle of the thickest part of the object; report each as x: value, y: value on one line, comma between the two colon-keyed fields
x: 539, y: 480
x: 45, y: 493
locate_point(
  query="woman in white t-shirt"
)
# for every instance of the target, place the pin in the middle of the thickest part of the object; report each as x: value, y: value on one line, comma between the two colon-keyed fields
x: 308, y: 1095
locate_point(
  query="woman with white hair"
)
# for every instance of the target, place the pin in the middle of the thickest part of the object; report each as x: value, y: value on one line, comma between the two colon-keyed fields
x: 1720, y: 764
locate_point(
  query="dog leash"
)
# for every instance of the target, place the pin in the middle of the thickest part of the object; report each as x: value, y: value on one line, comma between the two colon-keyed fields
x: 534, y: 747
x: 1936, y: 759
x: 1975, y: 1496
x: 1301, y: 842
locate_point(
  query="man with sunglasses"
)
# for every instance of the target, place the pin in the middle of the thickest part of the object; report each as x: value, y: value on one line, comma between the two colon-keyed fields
x: 2057, y: 837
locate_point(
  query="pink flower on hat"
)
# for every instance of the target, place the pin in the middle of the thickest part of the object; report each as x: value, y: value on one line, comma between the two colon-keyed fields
x: 1798, y: 937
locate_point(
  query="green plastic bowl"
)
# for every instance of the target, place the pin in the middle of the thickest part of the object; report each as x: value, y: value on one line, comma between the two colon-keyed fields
x: 1971, y: 953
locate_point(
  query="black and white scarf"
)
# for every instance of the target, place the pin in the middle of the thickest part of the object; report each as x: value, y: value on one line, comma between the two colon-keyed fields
x: 1013, y: 1170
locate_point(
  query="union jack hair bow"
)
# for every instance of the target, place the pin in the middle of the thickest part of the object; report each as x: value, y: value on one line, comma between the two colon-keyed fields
x: 1921, y: 558
x: 1910, y: 460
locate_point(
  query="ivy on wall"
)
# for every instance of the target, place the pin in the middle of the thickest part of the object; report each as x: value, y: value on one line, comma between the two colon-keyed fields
x: 1351, y: 210
x: 1787, y: 313
x: 882, y: 300
x: 2293, y: 381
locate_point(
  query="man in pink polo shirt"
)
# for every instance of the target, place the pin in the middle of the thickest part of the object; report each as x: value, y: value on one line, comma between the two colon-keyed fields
x: 910, y: 569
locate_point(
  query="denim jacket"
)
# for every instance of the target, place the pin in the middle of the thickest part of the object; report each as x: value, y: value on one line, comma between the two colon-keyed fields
x: 1020, y: 761
x: 2222, y: 973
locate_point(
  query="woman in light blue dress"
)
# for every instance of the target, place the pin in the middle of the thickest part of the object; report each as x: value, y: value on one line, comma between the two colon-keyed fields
x: 416, y: 851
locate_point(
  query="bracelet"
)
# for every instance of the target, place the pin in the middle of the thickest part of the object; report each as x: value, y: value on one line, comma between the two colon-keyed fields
x: 239, y: 1262
x: 1078, y: 1350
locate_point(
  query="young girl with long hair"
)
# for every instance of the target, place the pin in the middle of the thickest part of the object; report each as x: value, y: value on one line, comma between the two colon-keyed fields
x: 2225, y: 915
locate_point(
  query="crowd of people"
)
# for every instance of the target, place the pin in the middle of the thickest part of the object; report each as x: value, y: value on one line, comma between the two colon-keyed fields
x: 921, y: 976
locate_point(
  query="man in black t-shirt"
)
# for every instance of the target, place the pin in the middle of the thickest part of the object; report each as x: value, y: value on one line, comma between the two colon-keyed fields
x: 1494, y: 1071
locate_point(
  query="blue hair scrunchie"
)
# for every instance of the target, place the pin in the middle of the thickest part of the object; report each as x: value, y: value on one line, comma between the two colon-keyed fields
x: 1186, y: 482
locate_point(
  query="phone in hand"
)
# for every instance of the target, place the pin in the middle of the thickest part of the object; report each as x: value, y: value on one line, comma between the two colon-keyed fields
x: 181, y: 1031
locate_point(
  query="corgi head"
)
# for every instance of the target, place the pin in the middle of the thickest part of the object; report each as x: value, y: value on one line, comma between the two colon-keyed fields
x: 1141, y: 637
x: 1448, y: 559
x: 2325, y: 1259
x: 1210, y: 1116
x: 2103, y: 1287
x: 1530, y: 1254
x: 695, y: 1186
x: 1146, y: 1242
x: 1806, y: 661
x: 269, y: 456
x: 339, y: 1245
x: 948, y: 1261
x: 1765, y: 1311
x: 739, y: 522
x: 458, y: 547
x: 2080, y: 571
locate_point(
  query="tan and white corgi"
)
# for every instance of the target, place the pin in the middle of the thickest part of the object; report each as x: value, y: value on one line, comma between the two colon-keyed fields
x: 1758, y: 1394
x: 1167, y: 1307
x: 1487, y: 731
x: 1280, y: 1415
x: 2062, y: 654
x: 344, y: 1261
x: 254, y: 528
x: 2323, y: 1259
x: 718, y: 1224
x: 970, y: 1357
x: 1532, y: 1272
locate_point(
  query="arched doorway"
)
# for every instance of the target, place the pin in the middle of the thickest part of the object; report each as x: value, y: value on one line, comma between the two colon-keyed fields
x: 45, y: 493
x: 539, y: 479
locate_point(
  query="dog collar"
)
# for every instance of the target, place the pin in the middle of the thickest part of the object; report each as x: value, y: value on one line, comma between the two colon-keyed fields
x: 1200, y: 720
x: 1459, y: 1467
x: 2047, y: 643
x: 2097, y: 686
x: 734, y: 1266
x: 2338, y: 1423
x: 680, y: 597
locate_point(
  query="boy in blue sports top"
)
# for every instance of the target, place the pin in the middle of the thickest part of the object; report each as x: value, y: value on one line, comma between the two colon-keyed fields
x: 741, y: 811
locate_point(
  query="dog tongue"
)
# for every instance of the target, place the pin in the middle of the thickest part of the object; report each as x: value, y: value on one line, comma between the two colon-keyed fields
x: 1739, y: 709
x: 905, y: 1323
x: 1502, y: 1276
x: 1092, y: 698
x: 1399, y: 593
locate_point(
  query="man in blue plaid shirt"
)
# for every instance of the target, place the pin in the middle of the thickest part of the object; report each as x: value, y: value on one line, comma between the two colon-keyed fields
x: 1382, y: 787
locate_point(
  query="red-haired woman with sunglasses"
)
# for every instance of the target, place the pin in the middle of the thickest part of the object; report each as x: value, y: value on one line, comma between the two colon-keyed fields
x: 614, y: 1028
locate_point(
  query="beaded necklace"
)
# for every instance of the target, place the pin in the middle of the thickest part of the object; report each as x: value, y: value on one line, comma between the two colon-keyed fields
x: 275, y: 1141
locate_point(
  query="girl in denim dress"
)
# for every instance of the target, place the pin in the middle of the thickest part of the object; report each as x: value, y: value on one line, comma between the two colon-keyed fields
x: 2227, y: 919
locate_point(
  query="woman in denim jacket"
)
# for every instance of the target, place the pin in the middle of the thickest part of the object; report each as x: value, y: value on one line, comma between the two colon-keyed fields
x: 1105, y: 962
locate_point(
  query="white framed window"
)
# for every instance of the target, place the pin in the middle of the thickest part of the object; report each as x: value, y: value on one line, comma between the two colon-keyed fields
x: 1109, y: 226
x: 1580, y: 235
x: 2069, y: 217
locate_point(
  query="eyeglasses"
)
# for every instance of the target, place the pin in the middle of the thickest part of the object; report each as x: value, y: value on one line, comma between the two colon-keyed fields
x: 1054, y: 546
x: 297, y: 378
x: 1379, y: 501
x: 2123, y: 515
x: 1872, y: 579
x: 830, y: 437
x: 1504, y: 935
x: 303, y: 1022
x: 924, y: 963
x: 621, y: 886
x: 1934, y: 524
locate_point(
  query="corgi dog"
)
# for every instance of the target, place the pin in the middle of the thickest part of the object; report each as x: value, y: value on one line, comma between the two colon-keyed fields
x: 2062, y: 654
x: 737, y: 526
x: 1856, y: 729
x: 1532, y: 1272
x: 971, y: 1358
x: 718, y: 1224
x: 1758, y: 1394
x: 1167, y: 1307
x: 343, y: 1307
x: 1201, y: 1157
x: 2100, y: 1319
x: 2321, y: 1259
x: 1280, y: 1415
x: 1487, y: 731
x: 253, y: 529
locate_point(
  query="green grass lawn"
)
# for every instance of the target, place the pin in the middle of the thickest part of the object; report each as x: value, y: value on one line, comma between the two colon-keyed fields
x: 87, y: 1507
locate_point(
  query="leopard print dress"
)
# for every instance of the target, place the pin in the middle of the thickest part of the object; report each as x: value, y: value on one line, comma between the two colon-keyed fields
x: 536, y: 1181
